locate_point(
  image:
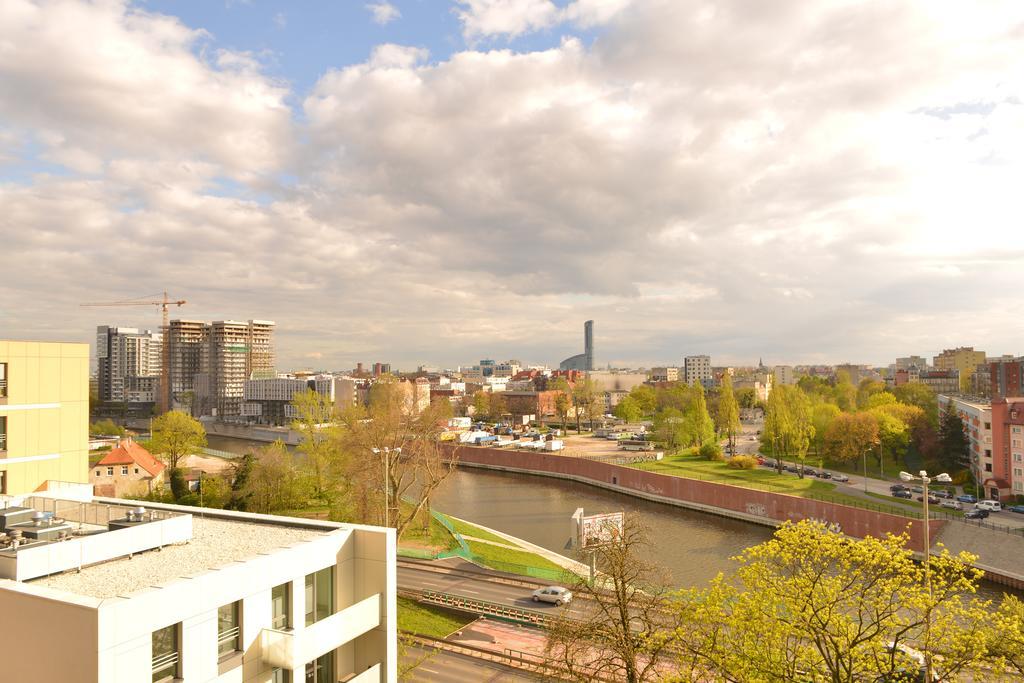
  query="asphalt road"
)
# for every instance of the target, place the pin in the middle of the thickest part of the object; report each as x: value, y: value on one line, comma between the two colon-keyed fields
x: 448, y: 667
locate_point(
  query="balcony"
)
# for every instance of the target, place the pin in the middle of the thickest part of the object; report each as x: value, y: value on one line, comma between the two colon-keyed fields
x: 292, y: 649
x: 3, y: 389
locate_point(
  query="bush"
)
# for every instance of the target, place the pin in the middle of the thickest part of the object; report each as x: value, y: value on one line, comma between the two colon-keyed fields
x: 743, y: 462
x: 711, y: 451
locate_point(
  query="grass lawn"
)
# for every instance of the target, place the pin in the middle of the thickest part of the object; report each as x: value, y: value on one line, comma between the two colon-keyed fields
x: 429, y: 620
x: 500, y: 558
x: 436, y: 536
x: 761, y: 478
x: 890, y: 469
x: 467, y: 529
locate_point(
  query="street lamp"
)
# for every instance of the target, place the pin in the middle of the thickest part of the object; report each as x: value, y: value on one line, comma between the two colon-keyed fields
x: 925, y: 480
x: 387, y: 468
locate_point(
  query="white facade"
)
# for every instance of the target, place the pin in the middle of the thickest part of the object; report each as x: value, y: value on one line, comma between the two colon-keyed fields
x: 129, y: 363
x: 697, y: 369
x: 248, y: 598
x: 977, y: 419
x: 664, y: 374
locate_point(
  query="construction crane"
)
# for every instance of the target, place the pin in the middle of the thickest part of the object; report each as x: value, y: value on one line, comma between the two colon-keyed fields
x: 164, y: 399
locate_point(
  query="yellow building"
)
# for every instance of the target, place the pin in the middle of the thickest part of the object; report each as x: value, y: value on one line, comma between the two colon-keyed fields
x: 963, y: 358
x: 44, y: 414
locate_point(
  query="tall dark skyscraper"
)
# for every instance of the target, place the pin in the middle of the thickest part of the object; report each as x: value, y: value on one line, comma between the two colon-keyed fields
x: 585, y: 360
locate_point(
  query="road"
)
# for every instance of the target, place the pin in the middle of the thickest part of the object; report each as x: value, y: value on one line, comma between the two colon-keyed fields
x: 448, y: 667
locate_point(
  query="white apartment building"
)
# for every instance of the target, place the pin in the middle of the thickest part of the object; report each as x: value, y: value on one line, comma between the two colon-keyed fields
x: 129, y: 362
x: 784, y: 375
x: 977, y: 419
x: 697, y: 369
x: 664, y: 374
x: 103, y: 592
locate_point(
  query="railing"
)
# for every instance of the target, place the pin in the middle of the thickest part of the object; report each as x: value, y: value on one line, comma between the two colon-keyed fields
x: 3, y: 441
x: 228, y: 641
x: 3, y: 388
x: 167, y: 665
x: 493, y: 609
x: 97, y: 514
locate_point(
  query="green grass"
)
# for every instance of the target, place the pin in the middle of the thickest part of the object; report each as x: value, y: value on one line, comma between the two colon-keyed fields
x: 499, y: 558
x: 467, y: 529
x: 428, y: 620
x: 435, y: 536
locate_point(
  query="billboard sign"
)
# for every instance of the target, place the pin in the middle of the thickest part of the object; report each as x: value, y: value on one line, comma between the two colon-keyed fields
x: 595, y: 530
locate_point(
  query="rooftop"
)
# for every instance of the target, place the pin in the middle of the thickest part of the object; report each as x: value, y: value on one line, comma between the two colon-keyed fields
x: 214, y: 543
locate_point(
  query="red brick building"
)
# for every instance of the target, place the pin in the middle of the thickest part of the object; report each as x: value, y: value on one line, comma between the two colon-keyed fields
x: 1007, y: 449
x: 539, y: 403
x: 1005, y: 377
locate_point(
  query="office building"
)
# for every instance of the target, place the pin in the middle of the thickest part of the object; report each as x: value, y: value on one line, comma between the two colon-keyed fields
x: 44, y: 415
x: 164, y: 593
x: 129, y: 363
x: 583, y: 361
x: 697, y: 369
x: 963, y: 359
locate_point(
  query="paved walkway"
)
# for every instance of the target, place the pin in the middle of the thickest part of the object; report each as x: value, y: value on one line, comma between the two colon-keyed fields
x: 996, y: 550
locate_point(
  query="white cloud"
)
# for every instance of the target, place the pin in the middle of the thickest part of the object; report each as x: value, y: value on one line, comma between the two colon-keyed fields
x: 511, y: 18
x: 383, y: 12
x: 812, y: 181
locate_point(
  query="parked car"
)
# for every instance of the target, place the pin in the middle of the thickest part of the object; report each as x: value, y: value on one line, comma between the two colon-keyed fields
x: 1016, y: 508
x: 810, y: 471
x: 790, y: 468
x: 840, y: 477
x: 990, y: 505
x: 956, y: 505
x: 768, y: 462
x: 760, y: 459
x: 898, y: 487
x: 932, y: 500
x: 824, y: 475
x: 553, y: 594
x: 942, y: 493
x: 976, y: 514
x: 903, y: 494
x: 917, y: 489
x: 967, y: 498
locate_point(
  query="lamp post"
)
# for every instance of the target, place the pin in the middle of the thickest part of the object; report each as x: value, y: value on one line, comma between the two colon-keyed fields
x: 387, y: 468
x: 925, y: 480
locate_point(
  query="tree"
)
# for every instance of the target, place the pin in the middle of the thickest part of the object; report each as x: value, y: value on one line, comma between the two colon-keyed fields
x: 822, y: 416
x: 670, y: 428
x: 626, y: 632
x: 699, y: 425
x: 586, y: 394
x: 106, y: 427
x: 920, y: 395
x: 628, y: 409
x: 497, y: 407
x: 275, y: 481
x: 481, y: 404
x: 746, y: 398
x: 562, y: 399
x: 243, y: 469
x: 316, y: 422
x: 1006, y: 636
x: 215, y: 491
x: 788, y: 429
x: 646, y: 397
x: 396, y: 460
x: 728, y: 416
x: 866, y: 390
x: 954, y: 446
x: 845, y: 392
x: 850, y: 436
x: 176, y: 435
x: 811, y: 604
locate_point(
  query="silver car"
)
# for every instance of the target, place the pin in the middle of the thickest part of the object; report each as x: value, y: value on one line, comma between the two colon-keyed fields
x: 554, y: 594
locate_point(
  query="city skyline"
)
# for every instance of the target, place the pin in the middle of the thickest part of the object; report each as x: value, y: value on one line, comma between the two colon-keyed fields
x: 436, y: 183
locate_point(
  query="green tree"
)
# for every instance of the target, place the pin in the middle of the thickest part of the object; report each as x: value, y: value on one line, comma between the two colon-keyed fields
x: 670, y: 428
x: 954, y: 446
x: 844, y: 392
x: 698, y: 422
x: 728, y: 416
x: 177, y: 435
x: 586, y: 395
x: 822, y: 416
x: 746, y: 398
x: 243, y: 469
x: 481, y: 404
x: 867, y: 389
x: 106, y: 427
x: 788, y: 429
x: 562, y: 399
x: 813, y: 605
x: 317, y: 425
x: 628, y: 409
x: 646, y: 397
x: 920, y: 395
x: 893, y: 435
x: 850, y: 436
x: 276, y: 482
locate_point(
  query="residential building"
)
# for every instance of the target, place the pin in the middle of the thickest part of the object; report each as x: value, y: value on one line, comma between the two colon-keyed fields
x: 981, y: 381
x: 583, y: 361
x: 617, y: 381
x: 1005, y: 377
x: 381, y: 369
x: 941, y: 381
x: 664, y: 374
x: 172, y: 593
x: 919, y: 362
x: 129, y: 363
x: 44, y: 416
x: 783, y: 374
x: 1007, y: 476
x: 269, y: 401
x: 977, y: 419
x: 186, y: 340
x: 127, y: 470
x: 963, y: 359
x: 856, y: 372
x: 697, y: 369
x: 538, y: 403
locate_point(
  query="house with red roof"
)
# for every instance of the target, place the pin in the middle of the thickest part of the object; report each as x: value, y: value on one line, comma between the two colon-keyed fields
x: 127, y: 470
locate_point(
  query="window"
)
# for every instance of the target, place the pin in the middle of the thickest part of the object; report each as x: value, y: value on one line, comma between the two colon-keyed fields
x: 321, y: 670
x: 281, y: 676
x: 3, y: 432
x: 281, y: 607
x: 110, y: 471
x: 229, y: 635
x: 136, y: 470
x: 166, y: 655
x: 988, y: 425
x: 3, y: 380
x: 97, y: 473
x: 988, y: 467
x: 124, y: 469
x: 319, y: 595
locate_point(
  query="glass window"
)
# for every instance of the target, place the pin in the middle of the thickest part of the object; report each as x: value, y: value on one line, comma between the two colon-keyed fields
x: 166, y: 655
x: 281, y: 606
x: 3, y: 432
x: 136, y: 470
x: 110, y: 471
x: 319, y: 595
x: 281, y: 676
x: 321, y: 670
x: 124, y: 469
x: 229, y: 635
x: 3, y: 380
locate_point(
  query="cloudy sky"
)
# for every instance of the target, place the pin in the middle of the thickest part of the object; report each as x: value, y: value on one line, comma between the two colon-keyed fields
x: 425, y: 181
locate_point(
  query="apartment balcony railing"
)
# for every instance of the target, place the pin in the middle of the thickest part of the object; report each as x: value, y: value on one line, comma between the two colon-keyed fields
x: 3, y: 390
x: 292, y: 649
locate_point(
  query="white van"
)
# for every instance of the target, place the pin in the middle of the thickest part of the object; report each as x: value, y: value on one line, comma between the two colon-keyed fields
x: 990, y: 505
